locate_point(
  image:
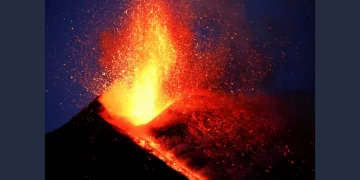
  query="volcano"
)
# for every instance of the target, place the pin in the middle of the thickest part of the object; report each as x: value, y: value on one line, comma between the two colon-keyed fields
x: 173, y: 80
x: 89, y: 147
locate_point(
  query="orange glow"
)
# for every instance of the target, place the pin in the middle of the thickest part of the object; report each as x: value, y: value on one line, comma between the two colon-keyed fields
x: 150, y: 54
x: 152, y: 61
x: 168, y: 157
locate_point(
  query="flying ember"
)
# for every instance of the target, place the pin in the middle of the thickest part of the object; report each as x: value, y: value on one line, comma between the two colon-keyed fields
x: 146, y: 53
x: 165, y: 77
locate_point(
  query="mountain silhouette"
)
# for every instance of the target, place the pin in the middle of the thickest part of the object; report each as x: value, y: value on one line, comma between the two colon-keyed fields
x: 88, y: 147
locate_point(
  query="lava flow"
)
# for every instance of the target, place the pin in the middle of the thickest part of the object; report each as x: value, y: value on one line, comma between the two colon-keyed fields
x: 163, y: 96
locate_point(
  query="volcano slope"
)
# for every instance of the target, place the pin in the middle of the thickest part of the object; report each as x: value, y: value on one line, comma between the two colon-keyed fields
x: 89, y: 148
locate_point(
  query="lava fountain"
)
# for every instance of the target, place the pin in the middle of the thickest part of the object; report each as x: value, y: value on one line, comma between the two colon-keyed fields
x: 145, y: 55
x: 149, y: 52
x: 163, y: 80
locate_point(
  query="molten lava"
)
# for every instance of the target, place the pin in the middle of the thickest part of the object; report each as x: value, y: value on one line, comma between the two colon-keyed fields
x: 157, y: 67
x: 145, y: 55
x: 148, y: 49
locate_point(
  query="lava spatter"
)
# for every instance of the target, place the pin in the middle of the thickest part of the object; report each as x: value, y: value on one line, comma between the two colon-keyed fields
x: 166, y: 89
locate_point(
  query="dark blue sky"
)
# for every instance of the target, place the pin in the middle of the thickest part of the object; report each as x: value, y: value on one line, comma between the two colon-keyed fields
x: 291, y: 21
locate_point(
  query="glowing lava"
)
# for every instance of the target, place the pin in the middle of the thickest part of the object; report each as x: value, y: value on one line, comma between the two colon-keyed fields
x: 148, y: 50
x: 154, y: 61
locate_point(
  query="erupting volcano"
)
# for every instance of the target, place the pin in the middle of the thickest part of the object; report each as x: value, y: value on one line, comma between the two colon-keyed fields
x: 175, y: 91
x: 156, y: 65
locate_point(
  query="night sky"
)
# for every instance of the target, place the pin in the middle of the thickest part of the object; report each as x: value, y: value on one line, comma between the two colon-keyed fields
x: 277, y: 21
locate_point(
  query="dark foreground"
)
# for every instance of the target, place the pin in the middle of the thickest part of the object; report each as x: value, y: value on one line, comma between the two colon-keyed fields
x: 89, y: 148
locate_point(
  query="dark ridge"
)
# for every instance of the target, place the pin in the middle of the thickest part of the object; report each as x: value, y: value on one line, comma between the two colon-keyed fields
x: 87, y: 147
